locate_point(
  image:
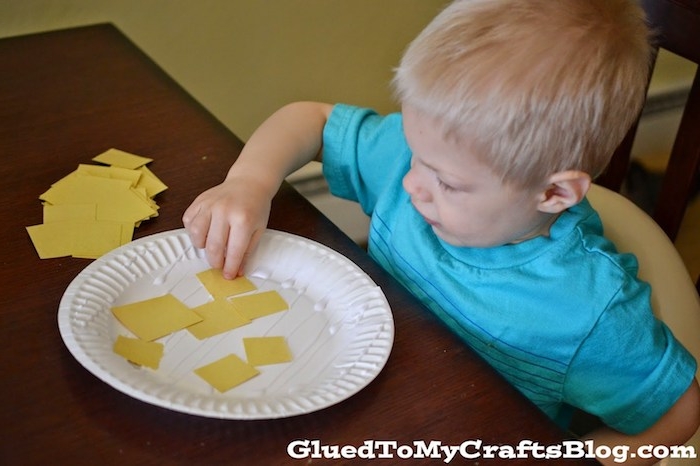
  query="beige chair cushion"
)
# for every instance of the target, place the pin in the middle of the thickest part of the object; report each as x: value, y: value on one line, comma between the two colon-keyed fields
x: 674, y: 297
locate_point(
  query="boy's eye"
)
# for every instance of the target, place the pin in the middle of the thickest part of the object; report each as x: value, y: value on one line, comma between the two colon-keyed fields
x: 444, y: 186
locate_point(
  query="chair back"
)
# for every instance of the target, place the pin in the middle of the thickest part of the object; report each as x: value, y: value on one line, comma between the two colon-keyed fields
x: 673, y: 297
x: 676, y: 24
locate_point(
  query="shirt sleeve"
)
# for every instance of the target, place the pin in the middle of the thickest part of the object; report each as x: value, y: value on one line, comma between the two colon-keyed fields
x: 630, y: 370
x: 359, y: 148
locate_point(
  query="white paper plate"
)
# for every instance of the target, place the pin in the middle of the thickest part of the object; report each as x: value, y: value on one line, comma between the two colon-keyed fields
x: 339, y: 326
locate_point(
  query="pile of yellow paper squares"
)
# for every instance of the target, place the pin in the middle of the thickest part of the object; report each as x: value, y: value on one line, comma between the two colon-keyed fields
x: 96, y: 208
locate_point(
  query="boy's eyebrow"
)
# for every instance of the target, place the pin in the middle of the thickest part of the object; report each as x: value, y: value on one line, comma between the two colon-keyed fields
x: 423, y: 162
x: 428, y: 165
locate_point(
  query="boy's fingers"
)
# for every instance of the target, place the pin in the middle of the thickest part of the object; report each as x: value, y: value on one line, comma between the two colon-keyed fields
x: 252, y: 245
x: 216, y: 243
x: 236, y: 249
x: 189, y: 214
x: 196, y: 223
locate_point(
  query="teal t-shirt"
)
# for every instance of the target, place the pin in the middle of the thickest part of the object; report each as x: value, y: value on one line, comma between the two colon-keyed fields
x: 562, y: 317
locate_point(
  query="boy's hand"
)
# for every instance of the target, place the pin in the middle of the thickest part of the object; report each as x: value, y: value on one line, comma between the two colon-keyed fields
x: 227, y: 221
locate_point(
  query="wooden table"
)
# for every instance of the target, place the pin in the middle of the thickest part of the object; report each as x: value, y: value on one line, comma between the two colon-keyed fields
x: 69, y: 95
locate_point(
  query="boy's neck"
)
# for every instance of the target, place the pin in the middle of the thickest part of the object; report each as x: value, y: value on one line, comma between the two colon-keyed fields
x: 541, y: 230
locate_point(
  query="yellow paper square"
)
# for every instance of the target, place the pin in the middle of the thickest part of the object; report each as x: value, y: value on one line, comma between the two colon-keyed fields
x: 120, y: 158
x: 48, y: 242
x: 219, y: 317
x: 257, y: 305
x: 116, y: 200
x: 127, y: 232
x: 68, y: 212
x: 219, y: 287
x: 143, y: 353
x: 227, y: 372
x: 261, y: 351
x: 154, y: 318
x: 117, y: 173
x: 150, y: 182
x: 85, y: 239
x: 74, y: 188
x: 92, y: 239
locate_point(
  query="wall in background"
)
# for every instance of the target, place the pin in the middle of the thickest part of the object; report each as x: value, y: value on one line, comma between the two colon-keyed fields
x: 243, y: 59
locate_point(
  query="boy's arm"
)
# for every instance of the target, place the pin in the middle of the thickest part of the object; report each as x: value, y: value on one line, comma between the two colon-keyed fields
x: 674, y: 428
x: 228, y: 220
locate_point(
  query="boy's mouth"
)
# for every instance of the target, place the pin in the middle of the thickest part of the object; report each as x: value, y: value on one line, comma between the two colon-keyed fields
x: 427, y: 220
x: 431, y: 222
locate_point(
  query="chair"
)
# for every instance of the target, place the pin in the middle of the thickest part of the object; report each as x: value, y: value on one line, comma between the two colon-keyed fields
x: 674, y: 298
x: 677, y: 27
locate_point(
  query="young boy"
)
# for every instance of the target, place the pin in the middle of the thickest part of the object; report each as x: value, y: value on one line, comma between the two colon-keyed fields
x: 476, y: 192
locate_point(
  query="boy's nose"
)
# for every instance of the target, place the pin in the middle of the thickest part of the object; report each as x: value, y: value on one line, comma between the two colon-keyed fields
x: 414, y: 187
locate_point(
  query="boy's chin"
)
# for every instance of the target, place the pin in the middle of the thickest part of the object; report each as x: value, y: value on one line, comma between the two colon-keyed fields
x: 451, y: 239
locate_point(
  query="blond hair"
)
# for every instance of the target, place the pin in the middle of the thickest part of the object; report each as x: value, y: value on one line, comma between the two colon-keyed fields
x: 539, y: 86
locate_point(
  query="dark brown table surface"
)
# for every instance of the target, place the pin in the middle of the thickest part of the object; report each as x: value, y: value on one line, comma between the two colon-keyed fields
x: 66, y: 96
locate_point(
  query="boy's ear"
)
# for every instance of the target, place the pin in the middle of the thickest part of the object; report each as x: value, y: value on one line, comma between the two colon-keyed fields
x: 565, y: 189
